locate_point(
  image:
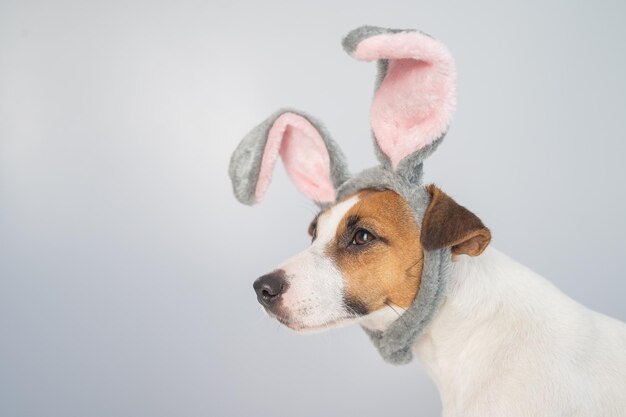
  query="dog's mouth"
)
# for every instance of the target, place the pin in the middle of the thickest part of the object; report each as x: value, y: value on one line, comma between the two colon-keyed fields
x: 300, y: 327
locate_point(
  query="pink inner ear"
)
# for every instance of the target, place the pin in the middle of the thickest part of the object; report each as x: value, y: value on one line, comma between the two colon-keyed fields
x: 414, y: 103
x: 304, y: 154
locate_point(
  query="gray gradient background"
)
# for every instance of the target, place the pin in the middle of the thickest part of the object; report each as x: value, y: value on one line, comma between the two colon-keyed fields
x: 126, y: 264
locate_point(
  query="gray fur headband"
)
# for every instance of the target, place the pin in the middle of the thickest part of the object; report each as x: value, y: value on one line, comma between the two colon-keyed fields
x: 411, y: 110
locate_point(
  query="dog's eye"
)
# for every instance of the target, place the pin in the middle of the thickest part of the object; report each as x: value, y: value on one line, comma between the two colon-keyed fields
x: 361, y: 237
x: 313, y: 231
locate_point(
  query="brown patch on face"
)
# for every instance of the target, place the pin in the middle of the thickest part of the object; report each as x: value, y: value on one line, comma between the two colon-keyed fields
x: 387, y: 269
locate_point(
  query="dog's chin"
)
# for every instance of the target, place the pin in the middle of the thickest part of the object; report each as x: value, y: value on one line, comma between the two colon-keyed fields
x: 302, y: 328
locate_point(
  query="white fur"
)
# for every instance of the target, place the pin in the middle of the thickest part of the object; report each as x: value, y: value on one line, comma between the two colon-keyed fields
x: 507, y: 343
x: 314, y: 298
x: 381, y: 319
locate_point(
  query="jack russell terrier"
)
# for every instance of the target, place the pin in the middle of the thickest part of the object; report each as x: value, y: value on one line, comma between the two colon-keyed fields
x: 414, y: 268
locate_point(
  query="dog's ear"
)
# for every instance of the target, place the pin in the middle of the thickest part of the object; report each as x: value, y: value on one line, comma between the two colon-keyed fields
x: 448, y: 224
x: 312, y: 159
x: 415, y: 93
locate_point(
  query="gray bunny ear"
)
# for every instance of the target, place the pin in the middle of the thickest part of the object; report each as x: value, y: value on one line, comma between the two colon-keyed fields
x: 415, y: 93
x: 312, y: 159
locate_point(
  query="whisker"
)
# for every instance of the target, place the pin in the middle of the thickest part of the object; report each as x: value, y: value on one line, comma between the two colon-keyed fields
x: 413, y: 265
x: 391, y: 307
x: 312, y: 209
x: 400, y: 317
x: 351, y: 311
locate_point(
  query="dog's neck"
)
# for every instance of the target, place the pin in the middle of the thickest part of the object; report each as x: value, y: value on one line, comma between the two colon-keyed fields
x: 492, y: 306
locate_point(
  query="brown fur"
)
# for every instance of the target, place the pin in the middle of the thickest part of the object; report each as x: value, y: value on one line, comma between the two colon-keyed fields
x: 446, y: 223
x: 387, y: 270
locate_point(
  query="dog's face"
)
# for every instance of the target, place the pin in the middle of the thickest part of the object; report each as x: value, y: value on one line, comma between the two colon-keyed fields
x: 365, y: 255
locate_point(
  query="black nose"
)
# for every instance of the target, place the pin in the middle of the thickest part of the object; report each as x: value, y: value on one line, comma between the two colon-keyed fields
x: 269, y: 287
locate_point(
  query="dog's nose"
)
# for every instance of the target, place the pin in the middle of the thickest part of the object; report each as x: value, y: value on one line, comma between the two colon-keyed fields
x: 269, y: 287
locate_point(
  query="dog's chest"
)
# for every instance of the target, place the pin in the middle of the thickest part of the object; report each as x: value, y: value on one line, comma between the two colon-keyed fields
x: 506, y: 336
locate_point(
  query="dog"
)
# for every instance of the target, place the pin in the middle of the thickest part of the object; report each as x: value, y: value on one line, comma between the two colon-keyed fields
x: 416, y: 269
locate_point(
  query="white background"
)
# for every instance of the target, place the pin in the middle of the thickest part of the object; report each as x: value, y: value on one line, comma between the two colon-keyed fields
x: 126, y: 266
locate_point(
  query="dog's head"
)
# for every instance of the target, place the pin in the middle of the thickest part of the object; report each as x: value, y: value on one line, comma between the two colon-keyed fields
x: 366, y: 257
x: 368, y: 240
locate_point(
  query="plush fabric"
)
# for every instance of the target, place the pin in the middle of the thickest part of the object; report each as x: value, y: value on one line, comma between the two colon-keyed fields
x: 415, y: 94
x: 312, y: 159
x: 411, y: 110
x: 396, y: 342
x: 304, y: 154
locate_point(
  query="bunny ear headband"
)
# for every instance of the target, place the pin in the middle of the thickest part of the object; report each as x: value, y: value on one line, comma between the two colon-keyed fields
x: 411, y: 110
